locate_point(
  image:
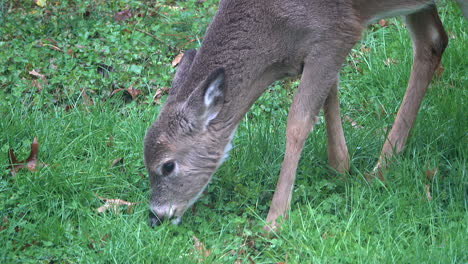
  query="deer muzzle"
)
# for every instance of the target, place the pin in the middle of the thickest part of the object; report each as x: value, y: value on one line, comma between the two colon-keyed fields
x: 159, y: 214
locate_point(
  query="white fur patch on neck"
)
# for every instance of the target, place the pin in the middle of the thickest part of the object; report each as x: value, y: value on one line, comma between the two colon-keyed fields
x: 228, y: 147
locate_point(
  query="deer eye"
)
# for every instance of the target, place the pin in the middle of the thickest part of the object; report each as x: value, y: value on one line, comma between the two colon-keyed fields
x: 167, y: 168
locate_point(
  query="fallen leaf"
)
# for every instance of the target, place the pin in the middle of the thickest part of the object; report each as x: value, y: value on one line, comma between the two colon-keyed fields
x: 159, y: 93
x: 133, y: 92
x: 53, y: 47
x: 116, y: 91
x: 200, y: 249
x: 36, y: 84
x: 86, y: 99
x: 101, y: 242
x: 118, y: 162
x: 114, y: 204
x: 439, y: 70
x: 364, y: 49
x: 383, y: 23
x: 25, y: 246
x: 389, y: 61
x: 4, y: 223
x: 353, y: 123
x: 110, y: 141
x: 37, y: 74
x: 40, y: 3
x: 69, y: 107
x: 52, y: 64
x: 122, y: 15
x: 30, y: 163
x: 130, y: 93
x: 430, y: 173
x: 177, y: 59
x: 427, y: 187
x: 451, y: 34
x: 104, y: 70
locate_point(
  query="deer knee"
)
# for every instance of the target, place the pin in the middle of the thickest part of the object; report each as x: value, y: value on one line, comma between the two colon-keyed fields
x: 439, y: 41
x: 297, y: 131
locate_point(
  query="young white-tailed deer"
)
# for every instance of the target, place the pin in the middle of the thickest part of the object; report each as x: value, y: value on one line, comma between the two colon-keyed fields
x: 250, y: 44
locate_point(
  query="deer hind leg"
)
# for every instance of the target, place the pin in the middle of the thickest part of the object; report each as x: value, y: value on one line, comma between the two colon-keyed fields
x: 319, y: 75
x: 429, y: 41
x: 338, y: 157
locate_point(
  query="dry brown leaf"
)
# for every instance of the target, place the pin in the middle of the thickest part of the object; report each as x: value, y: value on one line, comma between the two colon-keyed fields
x: 389, y: 61
x: 364, y: 49
x: 383, y: 23
x: 123, y: 15
x: 118, y: 161
x: 101, y: 242
x: 30, y: 163
x: 110, y: 141
x: 427, y: 187
x: 177, y: 59
x: 4, y: 223
x: 439, y: 70
x: 116, y: 91
x: 53, y: 66
x: 53, y: 47
x: 159, y: 93
x: 37, y: 74
x: 430, y: 173
x: 103, y: 70
x: 451, y: 34
x: 86, y: 99
x: 114, y: 204
x: 69, y: 107
x: 130, y: 93
x: 133, y: 92
x: 200, y: 249
x: 353, y: 123
x: 36, y: 84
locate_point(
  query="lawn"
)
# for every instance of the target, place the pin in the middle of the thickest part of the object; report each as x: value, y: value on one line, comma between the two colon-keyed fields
x: 82, y: 76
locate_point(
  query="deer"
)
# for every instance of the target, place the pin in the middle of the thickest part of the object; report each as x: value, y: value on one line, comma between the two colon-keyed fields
x: 252, y: 43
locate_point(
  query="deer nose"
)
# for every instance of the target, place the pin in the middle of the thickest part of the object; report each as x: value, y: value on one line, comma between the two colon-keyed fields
x: 153, y: 219
x: 159, y: 214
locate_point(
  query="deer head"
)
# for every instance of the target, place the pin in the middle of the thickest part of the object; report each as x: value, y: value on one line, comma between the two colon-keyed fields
x: 182, y: 149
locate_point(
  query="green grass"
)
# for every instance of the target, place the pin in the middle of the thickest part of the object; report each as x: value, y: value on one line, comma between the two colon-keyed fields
x: 49, y: 216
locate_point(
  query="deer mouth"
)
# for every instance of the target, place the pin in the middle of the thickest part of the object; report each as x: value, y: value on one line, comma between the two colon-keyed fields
x: 158, y: 215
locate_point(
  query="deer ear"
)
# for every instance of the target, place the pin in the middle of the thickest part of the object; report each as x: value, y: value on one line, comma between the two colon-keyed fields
x: 182, y: 70
x: 206, y: 101
x: 213, y: 95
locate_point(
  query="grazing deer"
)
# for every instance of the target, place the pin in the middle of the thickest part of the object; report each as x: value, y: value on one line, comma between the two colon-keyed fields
x: 250, y: 44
